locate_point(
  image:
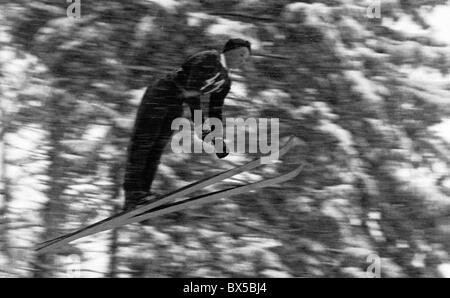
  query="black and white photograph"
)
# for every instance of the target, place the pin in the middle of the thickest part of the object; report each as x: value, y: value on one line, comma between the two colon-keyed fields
x: 224, y: 144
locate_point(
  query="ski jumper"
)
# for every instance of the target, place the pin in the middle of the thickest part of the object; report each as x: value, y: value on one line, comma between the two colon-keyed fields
x: 161, y: 104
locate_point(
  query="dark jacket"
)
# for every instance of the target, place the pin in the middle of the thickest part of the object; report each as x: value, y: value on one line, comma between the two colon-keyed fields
x: 204, y: 72
x: 162, y: 103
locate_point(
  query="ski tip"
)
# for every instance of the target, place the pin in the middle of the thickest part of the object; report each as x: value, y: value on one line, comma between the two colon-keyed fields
x: 300, y: 168
x: 289, y: 141
x: 292, y: 141
x: 296, y: 171
x: 287, y: 146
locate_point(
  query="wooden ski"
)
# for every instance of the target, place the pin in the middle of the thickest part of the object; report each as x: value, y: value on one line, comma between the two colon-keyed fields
x: 112, y: 221
x: 181, y: 205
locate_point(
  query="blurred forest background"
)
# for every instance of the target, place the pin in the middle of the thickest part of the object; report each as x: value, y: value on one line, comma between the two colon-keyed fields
x: 368, y: 98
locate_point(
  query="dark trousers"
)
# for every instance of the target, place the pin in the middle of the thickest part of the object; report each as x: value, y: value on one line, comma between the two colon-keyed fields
x: 160, y: 105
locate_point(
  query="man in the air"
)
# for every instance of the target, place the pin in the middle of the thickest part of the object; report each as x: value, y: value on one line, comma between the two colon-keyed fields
x: 205, y: 73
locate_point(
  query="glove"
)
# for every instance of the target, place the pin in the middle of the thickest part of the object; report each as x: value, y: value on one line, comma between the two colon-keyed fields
x: 204, y: 134
x: 225, y: 150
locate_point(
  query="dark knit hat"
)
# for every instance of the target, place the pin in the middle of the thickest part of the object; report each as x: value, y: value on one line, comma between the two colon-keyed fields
x: 235, y: 43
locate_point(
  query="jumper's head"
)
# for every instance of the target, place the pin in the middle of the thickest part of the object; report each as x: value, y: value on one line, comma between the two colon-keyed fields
x: 236, y: 52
